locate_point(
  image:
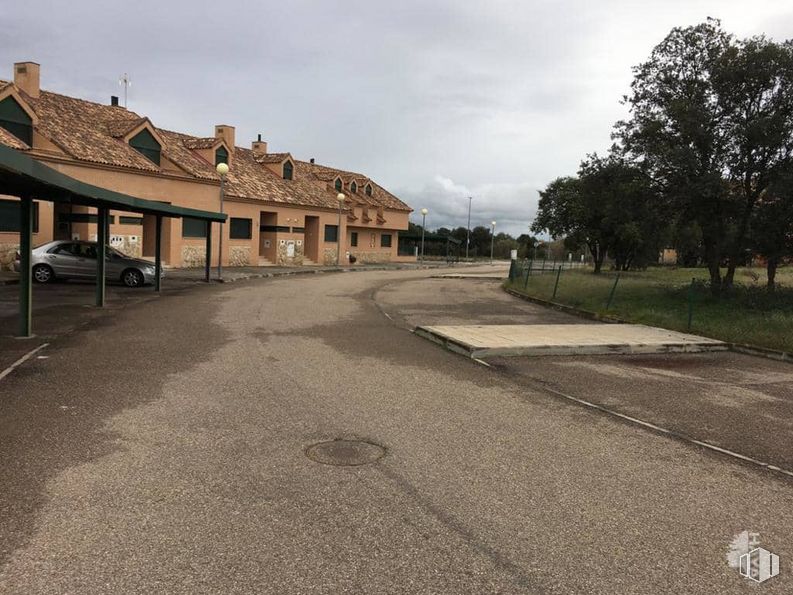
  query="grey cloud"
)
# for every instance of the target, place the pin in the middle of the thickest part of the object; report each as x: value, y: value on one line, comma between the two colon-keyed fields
x: 498, y: 96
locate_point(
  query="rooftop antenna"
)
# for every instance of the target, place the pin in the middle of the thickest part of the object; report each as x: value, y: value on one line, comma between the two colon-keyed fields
x: 125, y: 82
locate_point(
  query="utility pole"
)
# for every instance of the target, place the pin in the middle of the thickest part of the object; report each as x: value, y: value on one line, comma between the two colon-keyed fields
x: 468, y: 235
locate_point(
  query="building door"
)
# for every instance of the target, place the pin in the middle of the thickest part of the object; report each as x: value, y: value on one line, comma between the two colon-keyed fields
x: 268, y: 237
x: 311, y: 246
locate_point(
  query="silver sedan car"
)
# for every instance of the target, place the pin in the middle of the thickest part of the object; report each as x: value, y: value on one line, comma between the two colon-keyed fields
x: 65, y: 259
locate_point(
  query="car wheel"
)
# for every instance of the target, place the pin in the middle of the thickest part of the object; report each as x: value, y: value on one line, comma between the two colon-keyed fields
x: 43, y: 273
x: 132, y: 278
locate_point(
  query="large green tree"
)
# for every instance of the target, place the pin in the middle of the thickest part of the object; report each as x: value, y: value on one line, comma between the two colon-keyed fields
x: 711, y: 121
x: 677, y: 131
x: 753, y: 81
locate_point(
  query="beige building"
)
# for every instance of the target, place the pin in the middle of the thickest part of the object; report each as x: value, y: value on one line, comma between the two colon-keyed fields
x: 281, y: 210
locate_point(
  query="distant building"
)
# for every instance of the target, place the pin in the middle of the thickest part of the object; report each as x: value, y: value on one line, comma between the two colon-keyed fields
x: 667, y: 256
x: 281, y: 210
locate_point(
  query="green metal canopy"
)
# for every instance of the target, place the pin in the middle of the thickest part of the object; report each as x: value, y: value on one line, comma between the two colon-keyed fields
x: 27, y: 178
x: 21, y: 175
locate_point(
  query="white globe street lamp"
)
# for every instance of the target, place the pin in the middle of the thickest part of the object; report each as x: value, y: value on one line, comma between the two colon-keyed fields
x: 492, y: 239
x: 423, y: 225
x: 340, y: 197
x: 222, y: 169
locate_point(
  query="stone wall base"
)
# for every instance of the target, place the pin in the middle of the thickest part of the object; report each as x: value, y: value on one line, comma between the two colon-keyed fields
x: 372, y: 257
x: 7, y: 254
x: 239, y: 256
x: 283, y: 258
x: 194, y: 256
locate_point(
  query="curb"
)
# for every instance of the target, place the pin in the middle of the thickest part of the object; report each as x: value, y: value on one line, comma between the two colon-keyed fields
x: 764, y: 352
x: 309, y: 271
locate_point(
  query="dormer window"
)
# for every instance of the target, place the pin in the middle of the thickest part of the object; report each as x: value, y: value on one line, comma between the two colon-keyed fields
x: 337, y: 185
x: 368, y: 190
x: 16, y: 120
x: 289, y: 170
x: 221, y: 156
x: 145, y: 144
x: 354, y: 188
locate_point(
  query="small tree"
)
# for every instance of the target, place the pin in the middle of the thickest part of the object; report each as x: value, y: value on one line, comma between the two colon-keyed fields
x: 611, y: 208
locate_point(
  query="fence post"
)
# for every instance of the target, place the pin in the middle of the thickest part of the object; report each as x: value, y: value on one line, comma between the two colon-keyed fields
x: 556, y: 285
x: 613, y: 289
x: 526, y: 280
x: 531, y: 264
x: 690, y: 302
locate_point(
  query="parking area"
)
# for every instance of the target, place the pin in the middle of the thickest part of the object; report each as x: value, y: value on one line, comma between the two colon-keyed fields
x: 62, y: 307
x: 165, y: 449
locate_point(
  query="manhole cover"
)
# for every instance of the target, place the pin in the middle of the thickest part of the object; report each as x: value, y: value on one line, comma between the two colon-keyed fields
x: 345, y: 452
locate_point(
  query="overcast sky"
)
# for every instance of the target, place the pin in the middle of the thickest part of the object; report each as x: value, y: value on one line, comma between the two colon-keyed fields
x: 436, y: 100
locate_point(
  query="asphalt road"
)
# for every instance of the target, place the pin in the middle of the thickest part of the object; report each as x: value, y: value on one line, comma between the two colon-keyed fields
x: 162, y: 450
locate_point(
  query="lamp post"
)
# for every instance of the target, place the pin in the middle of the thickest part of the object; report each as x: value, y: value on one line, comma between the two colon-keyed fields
x: 492, y: 239
x: 222, y: 169
x: 340, y: 197
x: 468, y: 233
x: 423, y: 224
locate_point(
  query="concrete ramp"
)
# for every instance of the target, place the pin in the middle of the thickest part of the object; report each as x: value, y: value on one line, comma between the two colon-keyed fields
x: 481, y: 341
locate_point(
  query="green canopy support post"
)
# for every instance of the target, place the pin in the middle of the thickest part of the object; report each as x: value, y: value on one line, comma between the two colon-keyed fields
x: 101, y: 255
x: 207, y: 265
x: 25, y: 274
x: 157, y: 253
x: 107, y: 228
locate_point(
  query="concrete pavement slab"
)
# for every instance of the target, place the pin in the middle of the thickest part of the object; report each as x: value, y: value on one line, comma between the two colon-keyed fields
x: 480, y: 341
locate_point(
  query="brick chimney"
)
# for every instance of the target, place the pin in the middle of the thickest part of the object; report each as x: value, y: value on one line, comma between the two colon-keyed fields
x: 259, y: 147
x: 27, y: 79
x: 226, y: 133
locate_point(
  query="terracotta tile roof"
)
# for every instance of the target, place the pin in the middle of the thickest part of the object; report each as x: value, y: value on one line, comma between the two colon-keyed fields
x: 94, y: 132
x: 119, y: 128
x: 80, y: 129
x: 248, y: 179
x: 201, y: 143
x: 380, y: 196
x: 272, y: 157
x: 176, y: 150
